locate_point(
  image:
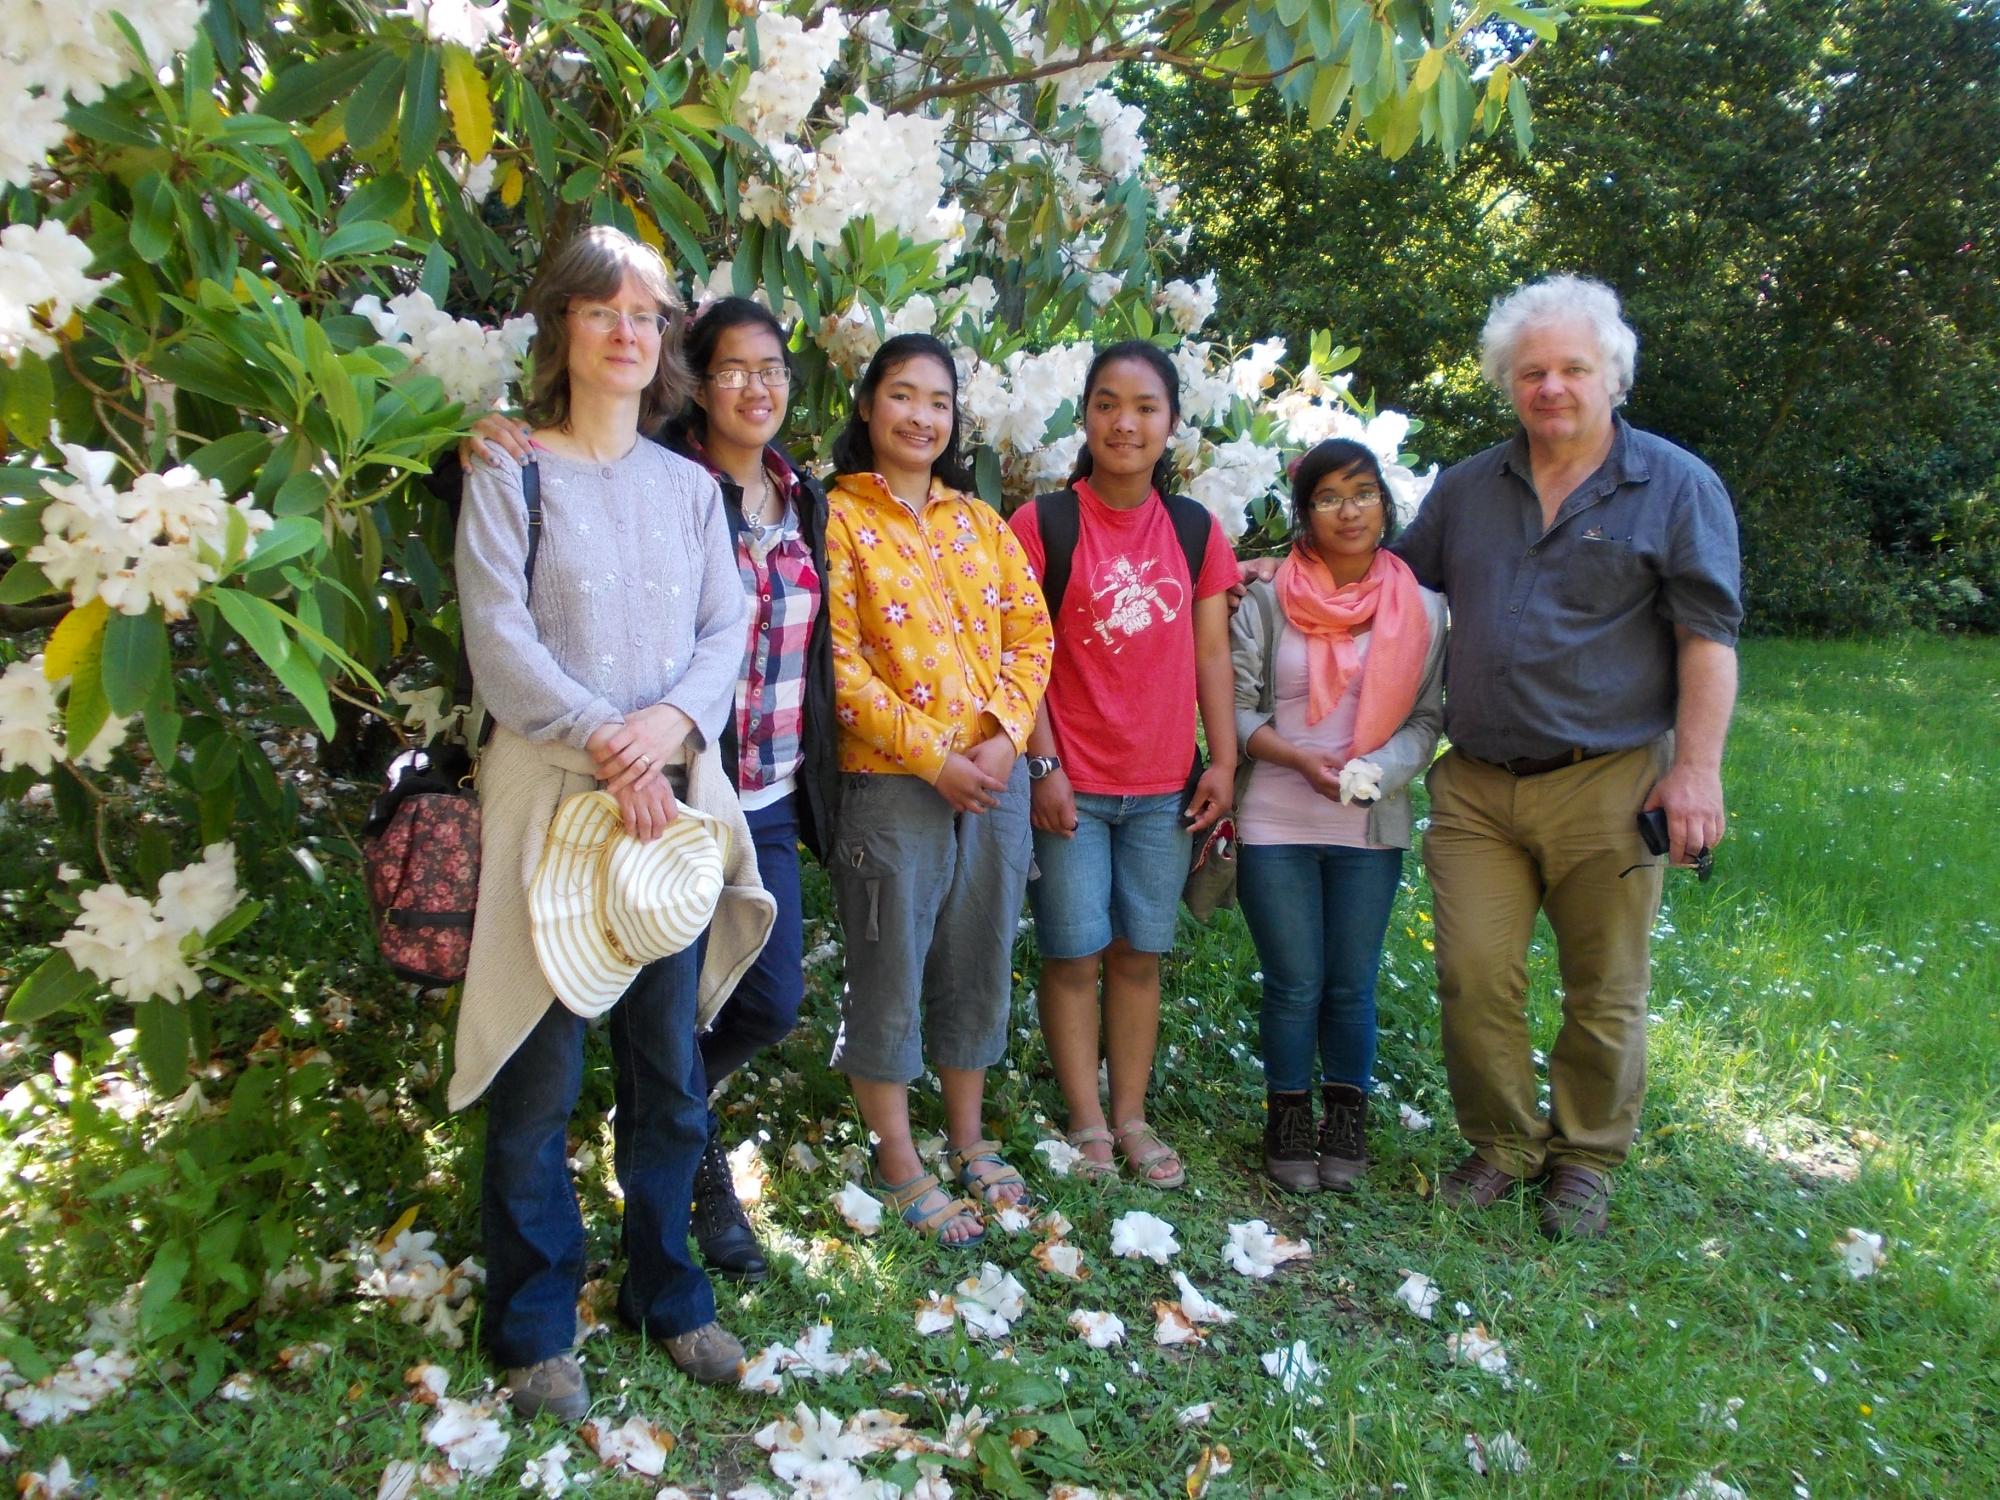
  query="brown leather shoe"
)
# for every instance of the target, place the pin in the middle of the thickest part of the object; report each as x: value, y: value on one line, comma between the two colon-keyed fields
x: 1474, y: 1183
x: 1576, y: 1203
x: 710, y: 1354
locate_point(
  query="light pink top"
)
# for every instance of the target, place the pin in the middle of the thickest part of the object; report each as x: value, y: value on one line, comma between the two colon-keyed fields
x: 1279, y: 807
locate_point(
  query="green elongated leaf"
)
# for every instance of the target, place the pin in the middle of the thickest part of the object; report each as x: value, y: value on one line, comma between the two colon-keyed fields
x: 214, y: 761
x: 110, y: 125
x: 163, y: 732
x: 423, y: 114
x: 1517, y: 113
x: 1536, y: 21
x: 304, y: 494
x: 335, y: 388
x: 306, y: 90
x: 233, y: 461
x: 135, y: 660
x: 56, y: 985
x: 378, y: 198
x: 163, y: 1043
x: 257, y: 130
x: 27, y: 400
x: 163, y: 1283
x: 233, y: 924
x: 263, y: 625
x: 361, y: 237
x: 153, y: 211
x: 372, y: 108
x: 289, y: 537
x: 25, y: 581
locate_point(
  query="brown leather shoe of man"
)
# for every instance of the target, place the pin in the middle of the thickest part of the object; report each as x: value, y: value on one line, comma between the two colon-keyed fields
x: 1474, y: 1183
x: 1576, y: 1203
x: 710, y: 1354
x: 554, y: 1385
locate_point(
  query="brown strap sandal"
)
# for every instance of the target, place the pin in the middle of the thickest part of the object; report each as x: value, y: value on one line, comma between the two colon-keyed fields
x: 1150, y: 1155
x: 982, y: 1168
x: 923, y: 1204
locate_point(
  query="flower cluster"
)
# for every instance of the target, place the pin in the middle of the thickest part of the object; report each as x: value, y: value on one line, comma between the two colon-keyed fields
x: 139, y: 947
x: 28, y: 714
x: 475, y: 364
x: 1242, y: 470
x: 53, y: 52
x: 460, y: 22
x: 1189, y: 304
x: 1120, y: 150
x: 876, y: 166
x: 156, y: 543
x: 42, y: 286
x: 791, y: 72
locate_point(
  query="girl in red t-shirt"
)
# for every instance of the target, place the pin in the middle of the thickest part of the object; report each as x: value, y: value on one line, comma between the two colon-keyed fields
x: 1142, y: 638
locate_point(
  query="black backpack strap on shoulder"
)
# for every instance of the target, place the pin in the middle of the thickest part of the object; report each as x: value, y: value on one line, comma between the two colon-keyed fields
x: 1191, y: 527
x: 531, y: 493
x: 1060, y: 522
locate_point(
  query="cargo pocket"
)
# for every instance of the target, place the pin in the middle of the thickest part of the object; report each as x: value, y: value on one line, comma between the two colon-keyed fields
x: 862, y: 872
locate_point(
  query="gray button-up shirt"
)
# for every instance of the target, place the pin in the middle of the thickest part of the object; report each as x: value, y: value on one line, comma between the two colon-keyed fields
x: 1564, y: 638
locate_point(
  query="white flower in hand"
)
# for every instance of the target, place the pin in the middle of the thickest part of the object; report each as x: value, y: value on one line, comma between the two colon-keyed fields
x: 1360, y: 781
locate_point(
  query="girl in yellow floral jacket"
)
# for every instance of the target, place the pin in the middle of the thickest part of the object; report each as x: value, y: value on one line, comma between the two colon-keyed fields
x: 941, y: 649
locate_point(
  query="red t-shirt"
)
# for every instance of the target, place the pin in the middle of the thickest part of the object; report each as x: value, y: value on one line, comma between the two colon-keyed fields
x: 1121, y: 697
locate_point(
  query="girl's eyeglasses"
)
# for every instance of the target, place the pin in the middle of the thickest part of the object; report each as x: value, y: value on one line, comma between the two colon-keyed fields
x: 1366, y: 499
x: 772, y: 378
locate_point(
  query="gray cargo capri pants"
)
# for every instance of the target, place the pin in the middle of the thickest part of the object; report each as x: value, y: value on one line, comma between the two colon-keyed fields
x: 929, y: 900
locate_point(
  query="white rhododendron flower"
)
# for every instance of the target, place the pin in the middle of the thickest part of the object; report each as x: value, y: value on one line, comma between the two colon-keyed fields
x: 1475, y: 1346
x: 1172, y: 1326
x: 1241, y: 471
x: 1257, y: 368
x: 42, y: 281
x: 1059, y: 1259
x: 636, y: 1445
x: 802, y: 1156
x: 1256, y: 1251
x: 1189, y: 305
x: 1360, y: 781
x: 1861, y: 1252
x: 27, y: 718
x: 1120, y: 149
x: 468, y: 1434
x: 1412, y: 1117
x: 813, y: 1451
x: 1292, y: 1367
x: 860, y: 1208
x: 1708, y: 1487
x: 1060, y: 1155
x: 475, y: 364
x: 134, y: 945
x: 1502, y: 1453
x: 1419, y: 1294
x: 198, y: 896
x: 1196, y: 1415
x: 935, y: 1314
x: 1140, y: 1235
x: 86, y: 1380
x: 990, y: 1302
x: 1198, y: 1308
x: 791, y: 72
x: 1014, y: 1219
x: 547, y: 1473
x: 1100, y: 1330
x: 460, y: 22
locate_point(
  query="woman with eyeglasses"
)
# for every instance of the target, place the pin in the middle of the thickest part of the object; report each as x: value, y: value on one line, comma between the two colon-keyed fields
x: 1348, y: 650
x: 779, y: 740
x: 614, y: 666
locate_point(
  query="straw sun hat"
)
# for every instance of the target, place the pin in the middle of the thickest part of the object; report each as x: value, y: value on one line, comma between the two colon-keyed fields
x: 603, y: 905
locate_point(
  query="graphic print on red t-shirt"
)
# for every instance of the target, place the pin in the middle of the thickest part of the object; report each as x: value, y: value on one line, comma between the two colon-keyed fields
x: 1121, y: 696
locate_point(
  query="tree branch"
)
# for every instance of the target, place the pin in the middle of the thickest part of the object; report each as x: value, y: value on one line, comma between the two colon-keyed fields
x: 1198, y: 67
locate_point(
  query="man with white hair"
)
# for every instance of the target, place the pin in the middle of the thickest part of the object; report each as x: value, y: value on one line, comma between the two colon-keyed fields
x: 1593, y: 579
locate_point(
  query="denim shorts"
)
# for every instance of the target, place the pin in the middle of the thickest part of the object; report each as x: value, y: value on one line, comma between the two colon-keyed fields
x: 1119, y: 877
x: 929, y: 901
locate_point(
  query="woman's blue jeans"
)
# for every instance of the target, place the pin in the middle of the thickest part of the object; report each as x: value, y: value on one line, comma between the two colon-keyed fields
x: 1318, y: 914
x: 533, y: 1232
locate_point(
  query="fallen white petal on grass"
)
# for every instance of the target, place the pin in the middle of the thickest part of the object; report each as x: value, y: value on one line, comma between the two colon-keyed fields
x: 1200, y: 1309
x: 1060, y: 1155
x: 1213, y: 1464
x: 1196, y: 1415
x: 57, y: 1484
x: 635, y: 1446
x: 1723, y: 1416
x: 1100, y: 1330
x: 86, y: 1380
x: 1054, y: 1224
x: 1142, y: 1236
x: 469, y: 1435
x: 1013, y: 1219
x: 548, y: 1473
x: 860, y: 1208
x: 1500, y: 1454
x: 427, y: 1383
x: 990, y: 1302
x: 880, y: 1428
x: 748, y: 1173
x: 1292, y: 1367
x: 1060, y: 1259
x: 764, y: 1372
x: 935, y: 1314
x: 1257, y: 1251
x: 242, y: 1387
x: 1172, y: 1327
x: 1708, y: 1487
x: 813, y: 1452
x: 801, y: 1156
x: 399, y: 1480
x: 1412, y: 1117
x: 1860, y: 1252
x: 1475, y: 1346
x: 932, y: 1485
x: 302, y: 1359
x: 753, y: 1492
x: 1418, y: 1293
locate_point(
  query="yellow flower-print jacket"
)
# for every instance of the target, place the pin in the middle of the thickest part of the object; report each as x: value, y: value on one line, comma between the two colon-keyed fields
x: 940, y: 635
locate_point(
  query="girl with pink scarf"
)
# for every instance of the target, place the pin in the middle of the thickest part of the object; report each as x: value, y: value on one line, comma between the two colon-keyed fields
x: 1339, y: 679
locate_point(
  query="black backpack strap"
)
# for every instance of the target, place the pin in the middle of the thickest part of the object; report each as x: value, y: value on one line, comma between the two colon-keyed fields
x: 1060, y: 521
x: 1192, y: 524
x: 531, y: 493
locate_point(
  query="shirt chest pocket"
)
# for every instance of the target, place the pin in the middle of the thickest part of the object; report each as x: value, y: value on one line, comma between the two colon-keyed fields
x: 1602, y: 577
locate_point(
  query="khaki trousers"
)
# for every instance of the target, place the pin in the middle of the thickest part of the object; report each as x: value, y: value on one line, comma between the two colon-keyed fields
x: 1499, y: 848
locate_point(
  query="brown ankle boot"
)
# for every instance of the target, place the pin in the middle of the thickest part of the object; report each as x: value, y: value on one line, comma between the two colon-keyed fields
x: 1289, y: 1157
x: 1343, y: 1136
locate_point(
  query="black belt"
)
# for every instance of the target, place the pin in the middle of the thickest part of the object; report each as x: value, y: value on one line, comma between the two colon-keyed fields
x: 1524, y: 766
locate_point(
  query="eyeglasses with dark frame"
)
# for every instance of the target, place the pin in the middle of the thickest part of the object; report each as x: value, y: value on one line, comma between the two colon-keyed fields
x: 601, y: 319
x: 771, y: 377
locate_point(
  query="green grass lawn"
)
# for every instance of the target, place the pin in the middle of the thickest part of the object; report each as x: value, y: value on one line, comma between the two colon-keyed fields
x: 1825, y: 1054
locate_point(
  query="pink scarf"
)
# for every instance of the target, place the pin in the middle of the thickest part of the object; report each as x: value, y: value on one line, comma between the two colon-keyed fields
x: 1389, y: 601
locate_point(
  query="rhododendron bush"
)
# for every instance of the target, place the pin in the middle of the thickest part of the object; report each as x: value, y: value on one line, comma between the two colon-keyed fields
x: 258, y: 270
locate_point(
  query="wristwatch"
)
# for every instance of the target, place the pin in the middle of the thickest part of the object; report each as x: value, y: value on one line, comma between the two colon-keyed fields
x: 1040, y: 766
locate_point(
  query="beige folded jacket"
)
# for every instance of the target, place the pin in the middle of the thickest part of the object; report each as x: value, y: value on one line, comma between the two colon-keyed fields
x: 520, y: 783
